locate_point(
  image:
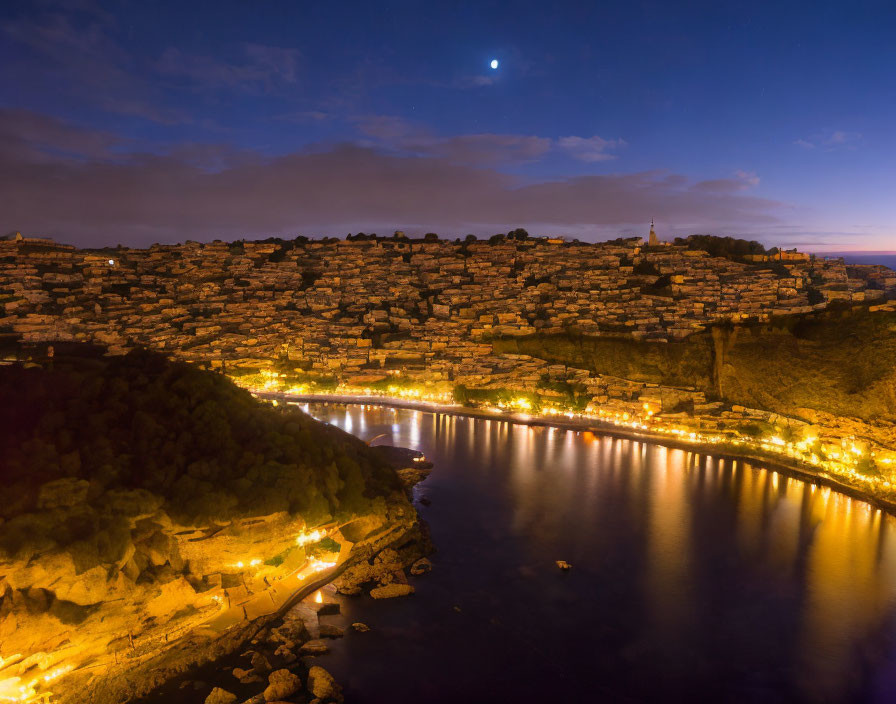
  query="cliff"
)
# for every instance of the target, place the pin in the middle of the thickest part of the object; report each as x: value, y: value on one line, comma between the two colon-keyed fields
x: 838, y: 362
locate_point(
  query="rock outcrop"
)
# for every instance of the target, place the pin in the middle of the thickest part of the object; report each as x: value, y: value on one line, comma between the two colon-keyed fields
x: 421, y: 566
x: 322, y: 685
x: 390, y: 591
x: 282, y: 684
x: 220, y: 696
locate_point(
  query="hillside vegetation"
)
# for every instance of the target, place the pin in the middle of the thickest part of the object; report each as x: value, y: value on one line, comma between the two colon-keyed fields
x: 137, y: 433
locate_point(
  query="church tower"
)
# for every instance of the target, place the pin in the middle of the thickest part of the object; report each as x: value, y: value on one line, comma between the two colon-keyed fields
x: 653, y: 241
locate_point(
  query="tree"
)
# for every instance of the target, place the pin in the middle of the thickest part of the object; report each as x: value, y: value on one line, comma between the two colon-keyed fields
x: 729, y: 247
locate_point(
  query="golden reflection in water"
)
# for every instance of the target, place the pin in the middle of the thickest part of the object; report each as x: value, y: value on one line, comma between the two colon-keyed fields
x: 850, y: 576
x: 414, y: 426
x: 832, y: 557
x: 521, y: 449
x: 759, y: 511
x: 667, y: 579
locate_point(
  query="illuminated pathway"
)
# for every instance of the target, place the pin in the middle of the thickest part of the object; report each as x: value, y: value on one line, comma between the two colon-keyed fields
x: 281, y: 594
x: 287, y: 590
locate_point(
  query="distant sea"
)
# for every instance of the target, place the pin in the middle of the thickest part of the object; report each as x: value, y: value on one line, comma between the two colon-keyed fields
x: 886, y: 258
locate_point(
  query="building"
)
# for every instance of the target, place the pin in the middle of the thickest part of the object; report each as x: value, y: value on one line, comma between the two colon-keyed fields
x: 652, y: 240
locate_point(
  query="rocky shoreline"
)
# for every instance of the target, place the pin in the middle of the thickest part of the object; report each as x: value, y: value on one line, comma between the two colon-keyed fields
x: 271, y: 659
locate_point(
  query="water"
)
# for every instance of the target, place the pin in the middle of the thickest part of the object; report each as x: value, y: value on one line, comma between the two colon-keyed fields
x: 887, y: 259
x: 693, y: 578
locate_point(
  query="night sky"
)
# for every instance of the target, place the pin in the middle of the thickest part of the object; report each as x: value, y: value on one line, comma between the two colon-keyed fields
x: 141, y: 122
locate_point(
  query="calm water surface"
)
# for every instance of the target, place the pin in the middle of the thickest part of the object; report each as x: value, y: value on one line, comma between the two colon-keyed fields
x: 693, y: 578
x: 887, y: 259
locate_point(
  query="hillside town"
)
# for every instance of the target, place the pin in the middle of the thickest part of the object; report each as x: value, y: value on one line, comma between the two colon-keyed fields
x: 421, y: 317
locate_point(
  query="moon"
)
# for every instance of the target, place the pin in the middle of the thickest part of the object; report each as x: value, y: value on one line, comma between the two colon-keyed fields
x: 494, y: 63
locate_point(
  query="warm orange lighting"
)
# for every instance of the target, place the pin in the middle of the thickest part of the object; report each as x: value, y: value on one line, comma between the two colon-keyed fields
x: 314, y: 536
x: 642, y: 416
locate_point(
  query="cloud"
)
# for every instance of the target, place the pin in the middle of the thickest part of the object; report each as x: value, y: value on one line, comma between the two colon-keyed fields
x: 212, y: 158
x: 485, y: 148
x: 414, y: 139
x: 136, y: 107
x: 488, y: 148
x: 80, y: 53
x: 480, y: 81
x: 263, y: 67
x: 741, y: 181
x: 619, y: 199
x: 829, y: 140
x: 304, y: 116
x: 76, y: 55
x: 205, y: 192
x: 590, y: 148
x: 57, y: 37
x: 390, y: 128
x: 27, y: 136
x: 748, y: 178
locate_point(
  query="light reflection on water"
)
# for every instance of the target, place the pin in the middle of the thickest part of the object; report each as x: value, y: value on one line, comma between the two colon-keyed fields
x: 691, y: 574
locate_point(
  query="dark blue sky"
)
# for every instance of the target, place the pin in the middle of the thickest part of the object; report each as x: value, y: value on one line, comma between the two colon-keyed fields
x: 157, y: 121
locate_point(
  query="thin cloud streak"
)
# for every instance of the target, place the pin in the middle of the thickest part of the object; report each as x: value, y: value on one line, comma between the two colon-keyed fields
x: 84, y: 58
x: 263, y: 68
x: 830, y: 140
x: 590, y: 149
x: 391, y: 132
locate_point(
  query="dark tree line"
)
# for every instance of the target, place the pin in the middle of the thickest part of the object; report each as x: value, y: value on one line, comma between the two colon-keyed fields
x: 148, y: 431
